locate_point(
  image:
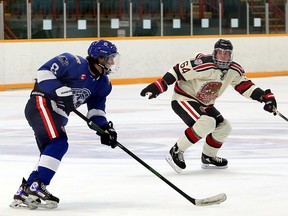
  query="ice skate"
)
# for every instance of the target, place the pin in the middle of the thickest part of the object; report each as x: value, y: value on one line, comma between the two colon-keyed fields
x: 176, y: 159
x: 37, y: 191
x: 22, y: 199
x: 213, y: 162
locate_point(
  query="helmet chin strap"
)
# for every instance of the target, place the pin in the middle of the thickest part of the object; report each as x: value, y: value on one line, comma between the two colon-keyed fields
x: 94, y: 70
x: 102, y: 67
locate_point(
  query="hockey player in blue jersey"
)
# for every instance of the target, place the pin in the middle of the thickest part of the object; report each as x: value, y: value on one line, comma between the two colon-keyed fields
x: 64, y: 83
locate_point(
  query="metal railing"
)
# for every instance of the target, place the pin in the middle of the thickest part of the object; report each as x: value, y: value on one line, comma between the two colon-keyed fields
x: 28, y: 19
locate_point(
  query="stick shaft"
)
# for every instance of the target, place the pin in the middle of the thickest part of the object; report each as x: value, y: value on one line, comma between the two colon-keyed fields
x: 280, y: 114
x: 98, y: 129
x: 192, y: 200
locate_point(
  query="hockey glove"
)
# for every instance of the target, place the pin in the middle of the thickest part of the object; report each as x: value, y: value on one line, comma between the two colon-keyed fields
x: 65, y: 99
x: 110, y: 136
x: 269, y: 100
x: 154, y: 89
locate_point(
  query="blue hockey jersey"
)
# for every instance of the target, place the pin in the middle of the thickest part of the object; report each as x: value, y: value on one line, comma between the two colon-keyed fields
x: 73, y: 71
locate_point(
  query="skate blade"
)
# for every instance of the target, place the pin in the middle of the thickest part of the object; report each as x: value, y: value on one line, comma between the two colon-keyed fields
x: 48, y: 204
x: 211, y: 166
x: 19, y: 204
x: 172, y: 164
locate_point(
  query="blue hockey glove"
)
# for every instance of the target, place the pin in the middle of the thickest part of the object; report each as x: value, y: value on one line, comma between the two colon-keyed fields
x: 269, y: 100
x: 110, y: 136
x: 65, y: 99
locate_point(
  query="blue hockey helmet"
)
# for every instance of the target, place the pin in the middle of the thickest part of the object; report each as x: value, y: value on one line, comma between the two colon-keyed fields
x: 101, y: 48
x: 107, y: 51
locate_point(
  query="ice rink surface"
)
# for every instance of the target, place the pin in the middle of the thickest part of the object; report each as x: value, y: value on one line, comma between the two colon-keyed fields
x: 96, y: 180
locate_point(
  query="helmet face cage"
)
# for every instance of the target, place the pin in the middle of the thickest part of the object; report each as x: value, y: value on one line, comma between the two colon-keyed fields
x: 113, y: 63
x: 105, y: 52
x: 225, y: 47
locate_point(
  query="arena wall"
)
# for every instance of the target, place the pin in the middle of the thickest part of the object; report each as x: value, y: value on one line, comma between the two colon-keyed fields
x: 143, y: 58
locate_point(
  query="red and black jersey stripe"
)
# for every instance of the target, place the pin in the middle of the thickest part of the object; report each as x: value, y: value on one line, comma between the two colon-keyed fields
x: 244, y: 86
x: 203, y: 67
x: 236, y: 67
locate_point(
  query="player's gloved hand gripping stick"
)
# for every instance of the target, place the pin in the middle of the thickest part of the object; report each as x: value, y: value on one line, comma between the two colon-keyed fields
x: 109, y: 137
x: 271, y: 105
x: 269, y: 101
x: 217, y: 199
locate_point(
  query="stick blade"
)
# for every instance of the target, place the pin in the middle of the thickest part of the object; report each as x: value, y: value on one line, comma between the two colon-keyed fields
x: 217, y: 199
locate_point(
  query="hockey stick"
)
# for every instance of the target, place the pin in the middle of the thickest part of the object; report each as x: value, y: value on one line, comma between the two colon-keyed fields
x: 280, y: 114
x: 217, y: 199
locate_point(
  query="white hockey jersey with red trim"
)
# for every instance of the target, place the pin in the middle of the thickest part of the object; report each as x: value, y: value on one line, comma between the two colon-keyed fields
x: 199, y: 79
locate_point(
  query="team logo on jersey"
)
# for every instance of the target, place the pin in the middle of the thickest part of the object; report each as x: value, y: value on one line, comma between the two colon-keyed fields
x: 209, y: 92
x: 83, y: 76
x: 198, y: 61
x: 63, y: 59
x: 80, y: 95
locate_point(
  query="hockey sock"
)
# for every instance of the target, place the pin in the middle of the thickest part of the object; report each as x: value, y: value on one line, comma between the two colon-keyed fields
x: 51, y: 158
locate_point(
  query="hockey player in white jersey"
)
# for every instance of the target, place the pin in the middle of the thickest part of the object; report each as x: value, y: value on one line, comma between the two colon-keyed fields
x: 198, y: 83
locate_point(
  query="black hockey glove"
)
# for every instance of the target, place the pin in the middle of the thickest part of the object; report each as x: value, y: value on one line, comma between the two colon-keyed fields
x: 269, y: 100
x: 154, y: 89
x: 65, y: 99
x: 110, y: 136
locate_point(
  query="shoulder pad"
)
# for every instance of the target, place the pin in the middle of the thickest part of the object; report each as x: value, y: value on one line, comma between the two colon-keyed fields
x: 202, y: 62
x: 235, y: 66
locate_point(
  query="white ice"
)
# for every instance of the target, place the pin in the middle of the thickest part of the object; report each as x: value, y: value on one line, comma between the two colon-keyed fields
x: 96, y: 180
